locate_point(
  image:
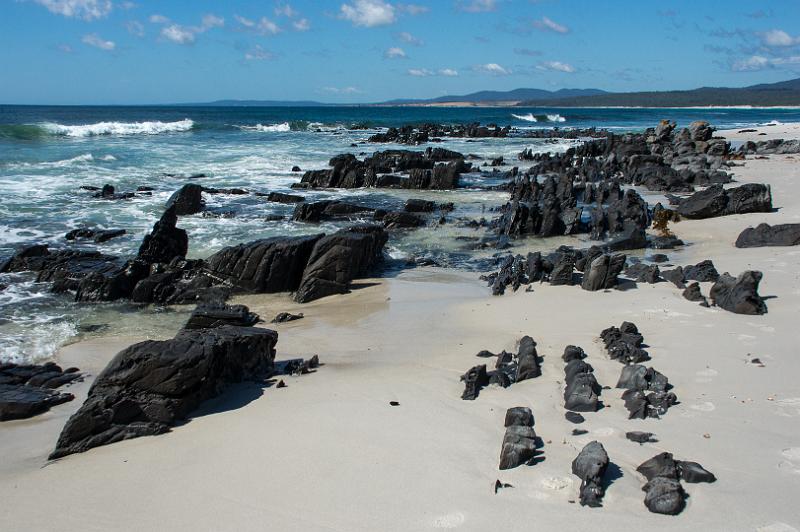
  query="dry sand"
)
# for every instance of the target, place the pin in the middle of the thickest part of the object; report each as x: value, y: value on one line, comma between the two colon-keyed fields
x: 329, y: 453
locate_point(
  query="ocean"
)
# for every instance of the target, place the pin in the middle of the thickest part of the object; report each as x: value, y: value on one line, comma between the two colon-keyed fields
x: 48, y: 153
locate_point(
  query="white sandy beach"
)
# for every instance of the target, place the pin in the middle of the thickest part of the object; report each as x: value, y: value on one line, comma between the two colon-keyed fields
x: 329, y: 453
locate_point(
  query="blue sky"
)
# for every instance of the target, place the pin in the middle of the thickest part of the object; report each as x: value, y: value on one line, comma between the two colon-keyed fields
x: 148, y: 51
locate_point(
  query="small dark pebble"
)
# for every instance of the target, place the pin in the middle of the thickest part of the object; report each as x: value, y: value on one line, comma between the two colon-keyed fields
x: 394, y: 403
x: 574, y: 417
x: 281, y: 384
x: 499, y: 485
x: 579, y: 432
x: 640, y: 437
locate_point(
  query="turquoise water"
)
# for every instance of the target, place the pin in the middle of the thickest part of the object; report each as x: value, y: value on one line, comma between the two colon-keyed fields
x: 47, y: 153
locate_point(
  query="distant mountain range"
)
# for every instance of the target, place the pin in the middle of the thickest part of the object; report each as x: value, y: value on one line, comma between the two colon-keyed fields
x: 516, y: 95
x: 784, y: 93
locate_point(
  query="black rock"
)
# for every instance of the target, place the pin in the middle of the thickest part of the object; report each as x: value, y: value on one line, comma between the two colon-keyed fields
x: 767, y: 235
x: 165, y: 242
x: 519, y: 415
x: 20, y: 402
x: 693, y: 293
x: 210, y: 315
x: 283, y: 317
x: 574, y: 417
x: 661, y: 465
x: 527, y: 360
x: 717, y: 201
x: 640, y: 437
x: 693, y: 473
x: 339, y: 258
x: 150, y: 386
x: 520, y: 440
x: 402, y: 220
x: 590, y: 466
x: 279, y: 197
x: 675, y: 276
x: 664, y: 496
x: 702, y: 271
x: 639, y: 377
x: 572, y: 352
x: 187, y: 200
x: 419, y: 205
x: 474, y: 379
x: 603, y: 271
x: 659, y: 258
x: 739, y: 295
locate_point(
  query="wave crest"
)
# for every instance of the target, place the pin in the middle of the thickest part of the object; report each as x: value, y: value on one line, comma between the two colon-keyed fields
x: 530, y: 117
x: 118, y: 128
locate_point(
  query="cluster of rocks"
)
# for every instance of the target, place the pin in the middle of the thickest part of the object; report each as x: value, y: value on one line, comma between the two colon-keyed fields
x: 520, y: 442
x: 414, y: 135
x: 658, y: 159
x: 414, y: 214
x: 311, y: 266
x: 770, y: 147
x: 663, y: 491
x: 645, y: 394
x: 434, y: 169
x: 559, y: 133
x: 590, y: 466
x: 599, y: 269
x: 509, y: 368
x: 582, y: 391
x: 27, y: 390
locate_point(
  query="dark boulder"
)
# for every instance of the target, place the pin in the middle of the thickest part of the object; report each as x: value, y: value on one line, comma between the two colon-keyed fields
x: 187, y: 200
x: 520, y: 441
x: 718, y: 201
x: 402, y: 220
x: 590, y: 466
x: 279, y: 197
x: 739, y: 295
x: 264, y: 266
x: 284, y: 317
x: 474, y: 380
x: 339, y: 258
x: 603, y: 271
x: 28, y: 390
x: 767, y: 235
x: 664, y: 496
x: 638, y: 377
x: 419, y: 205
x: 166, y: 241
x: 150, y: 386
x: 703, y: 271
x: 527, y: 360
x: 693, y: 293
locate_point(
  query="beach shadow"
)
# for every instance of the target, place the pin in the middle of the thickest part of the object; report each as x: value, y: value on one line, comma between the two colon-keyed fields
x: 613, y: 473
x: 623, y: 285
x: 236, y: 396
x: 358, y: 286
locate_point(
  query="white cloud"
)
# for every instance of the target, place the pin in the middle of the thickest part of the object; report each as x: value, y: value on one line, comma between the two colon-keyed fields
x: 67, y: 49
x: 779, y: 38
x: 556, y: 66
x: 394, y: 53
x: 342, y: 90
x: 128, y: 5
x: 95, y: 40
x: 267, y: 27
x: 301, y: 24
x: 246, y: 22
x: 420, y: 72
x: 448, y: 72
x: 547, y: 24
x: 410, y: 39
x: 478, y: 6
x: 212, y: 21
x: 492, y: 68
x: 135, y: 28
x: 758, y: 62
x: 158, y: 19
x: 83, y: 9
x: 285, y: 10
x: 368, y: 13
x: 257, y: 53
x: 412, y: 9
x: 178, y: 34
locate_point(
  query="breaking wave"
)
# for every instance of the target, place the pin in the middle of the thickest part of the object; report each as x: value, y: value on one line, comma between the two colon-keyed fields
x: 52, y: 129
x: 530, y: 117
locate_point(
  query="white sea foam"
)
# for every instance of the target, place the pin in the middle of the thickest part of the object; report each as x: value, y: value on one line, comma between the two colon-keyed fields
x: 118, y: 128
x: 63, y: 163
x: 272, y: 128
x: 556, y: 118
x: 527, y: 118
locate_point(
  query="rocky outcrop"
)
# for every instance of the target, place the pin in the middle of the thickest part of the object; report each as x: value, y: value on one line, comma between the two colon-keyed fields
x: 520, y: 441
x: 29, y: 390
x: 718, y: 201
x: 414, y: 135
x: 166, y: 241
x: 590, y: 466
x: 603, y: 271
x: 582, y: 392
x: 98, y: 235
x: 624, y: 344
x: 327, y: 210
x: 279, y: 197
x: 740, y: 294
x: 769, y: 235
x: 337, y: 259
x: 150, y: 386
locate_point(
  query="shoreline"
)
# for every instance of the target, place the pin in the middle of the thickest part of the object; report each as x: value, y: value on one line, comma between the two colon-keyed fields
x: 295, y: 458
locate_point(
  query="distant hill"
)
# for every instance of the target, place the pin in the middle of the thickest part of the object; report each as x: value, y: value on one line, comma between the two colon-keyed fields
x: 784, y: 93
x: 515, y: 95
x: 257, y: 103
